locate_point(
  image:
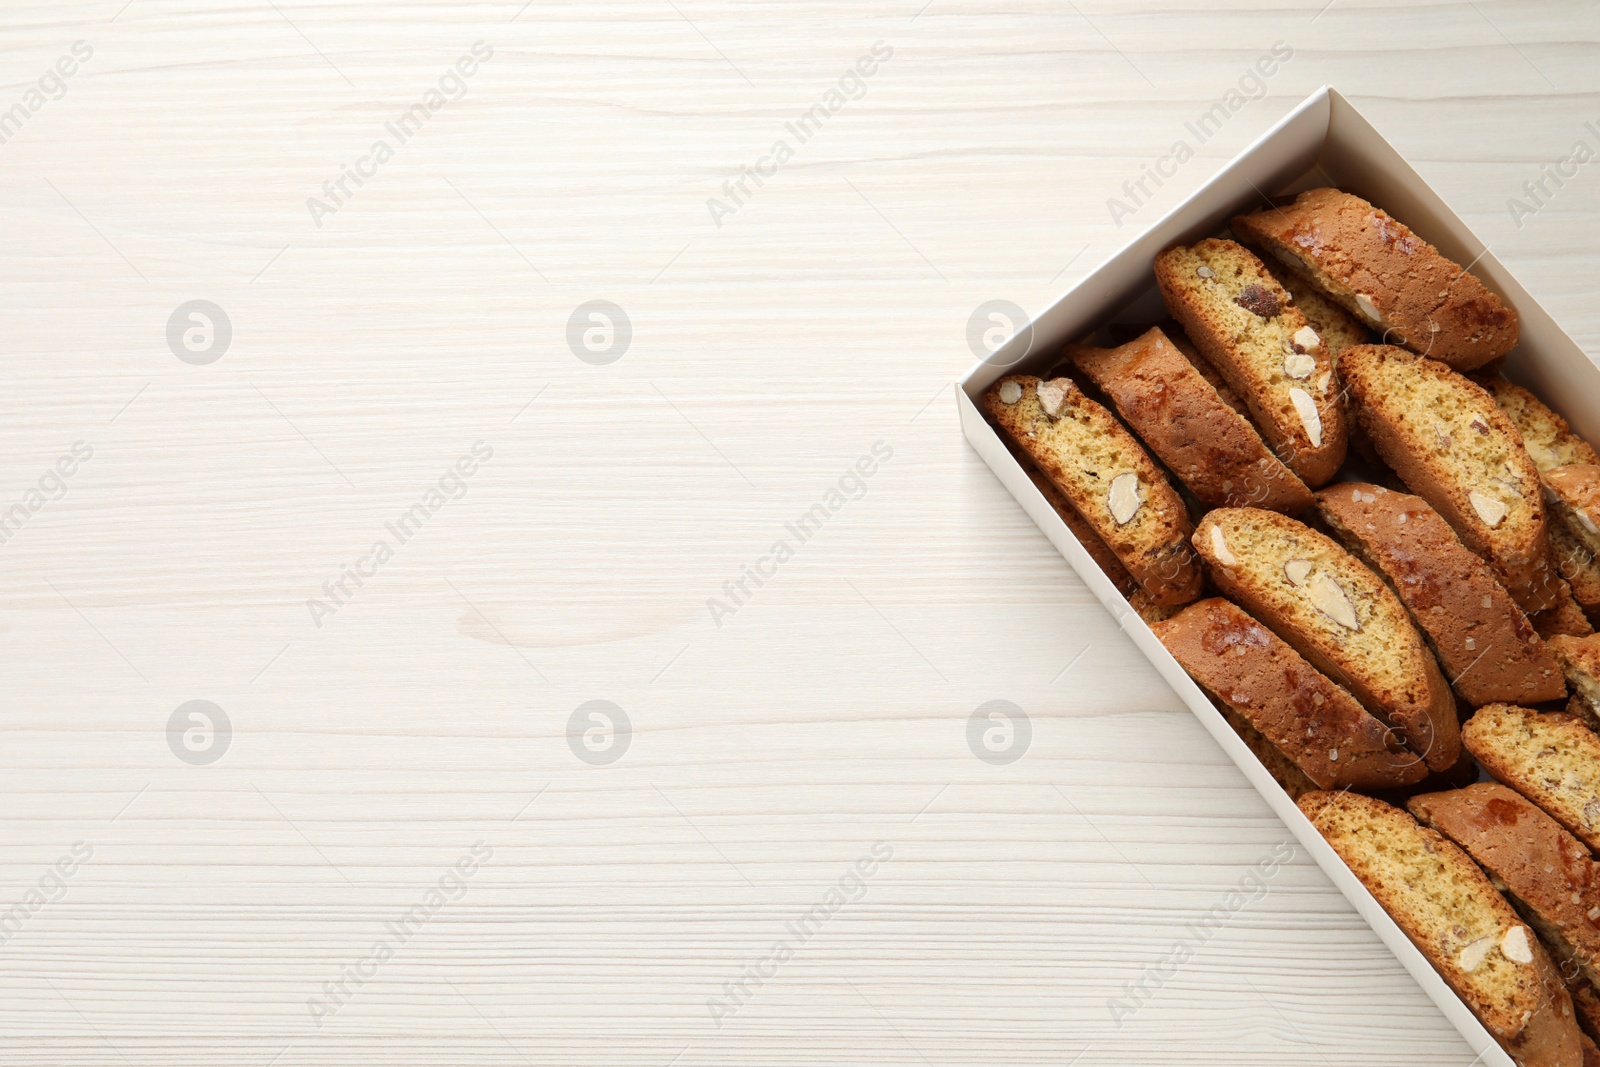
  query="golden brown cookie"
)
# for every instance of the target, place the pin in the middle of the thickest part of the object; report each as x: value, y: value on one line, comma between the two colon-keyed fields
x: 1206, y: 445
x: 1454, y: 447
x: 1243, y: 322
x: 1551, y: 758
x: 1107, y: 478
x: 1450, y: 911
x: 1386, y: 276
x: 1339, y: 615
x: 1489, y: 650
x: 1317, y: 726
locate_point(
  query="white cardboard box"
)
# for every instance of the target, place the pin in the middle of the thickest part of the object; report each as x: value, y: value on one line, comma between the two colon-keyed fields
x: 1324, y: 141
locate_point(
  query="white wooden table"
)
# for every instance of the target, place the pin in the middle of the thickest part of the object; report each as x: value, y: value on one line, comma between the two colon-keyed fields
x: 216, y: 911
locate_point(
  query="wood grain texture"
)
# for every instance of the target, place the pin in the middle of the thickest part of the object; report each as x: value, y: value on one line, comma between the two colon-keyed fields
x: 830, y: 712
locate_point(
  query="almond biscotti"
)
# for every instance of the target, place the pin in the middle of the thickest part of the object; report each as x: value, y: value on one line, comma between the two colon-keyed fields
x: 1106, y: 476
x: 1546, y: 435
x: 1454, y: 447
x: 1450, y: 911
x: 1337, y: 327
x: 1531, y: 858
x: 1242, y: 321
x: 1580, y: 662
x: 1574, y: 491
x: 1489, y: 650
x: 1339, y: 615
x: 1228, y: 393
x: 1551, y: 443
x: 1567, y: 617
x: 1091, y: 541
x: 1387, y: 276
x: 1207, y: 445
x: 1551, y: 758
x: 1577, y: 564
x: 1327, y: 735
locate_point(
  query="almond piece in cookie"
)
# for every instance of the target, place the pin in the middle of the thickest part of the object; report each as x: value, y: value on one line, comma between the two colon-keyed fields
x: 1532, y: 859
x: 1489, y: 650
x: 1206, y: 444
x: 1319, y: 727
x: 1451, y: 912
x: 1107, y: 477
x: 1551, y: 758
x: 1244, y: 324
x: 1339, y: 615
x: 1091, y: 541
x: 1387, y: 276
x: 1454, y: 447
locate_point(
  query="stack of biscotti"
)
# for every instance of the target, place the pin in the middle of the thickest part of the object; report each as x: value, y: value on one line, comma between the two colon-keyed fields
x: 1246, y: 326
x: 1449, y: 909
x: 1335, y: 622
x: 1339, y: 615
x: 1380, y: 271
x: 1107, y: 478
x: 1310, y: 733
x: 1203, y: 441
x: 1489, y: 650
